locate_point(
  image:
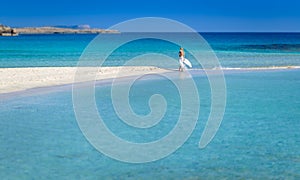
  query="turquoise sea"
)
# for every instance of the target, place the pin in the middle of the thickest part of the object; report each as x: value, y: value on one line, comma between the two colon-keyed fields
x: 232, y: 49
x: 259, y: 137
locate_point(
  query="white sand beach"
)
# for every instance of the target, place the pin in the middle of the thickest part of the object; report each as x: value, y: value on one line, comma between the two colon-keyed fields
x: 18, y: 79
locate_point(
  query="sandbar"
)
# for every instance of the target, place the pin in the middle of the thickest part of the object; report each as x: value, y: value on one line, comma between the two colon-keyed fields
x: 19, y: 79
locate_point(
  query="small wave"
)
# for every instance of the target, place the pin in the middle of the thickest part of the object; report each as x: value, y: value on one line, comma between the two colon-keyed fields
x: 253, y: 68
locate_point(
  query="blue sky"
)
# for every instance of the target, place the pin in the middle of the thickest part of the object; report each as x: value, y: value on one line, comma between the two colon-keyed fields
x: 202, y: 15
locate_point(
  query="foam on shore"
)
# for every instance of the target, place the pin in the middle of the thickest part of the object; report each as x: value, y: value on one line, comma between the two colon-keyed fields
x: 261, y: 68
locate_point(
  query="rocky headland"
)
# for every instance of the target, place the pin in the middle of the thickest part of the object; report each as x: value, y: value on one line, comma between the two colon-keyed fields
x: 77, y: 29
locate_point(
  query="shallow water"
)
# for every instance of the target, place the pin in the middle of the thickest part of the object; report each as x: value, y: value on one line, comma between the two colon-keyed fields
x: 259, y: 137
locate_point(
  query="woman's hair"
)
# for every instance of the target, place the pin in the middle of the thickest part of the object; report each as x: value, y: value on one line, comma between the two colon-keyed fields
x: 181, y: 52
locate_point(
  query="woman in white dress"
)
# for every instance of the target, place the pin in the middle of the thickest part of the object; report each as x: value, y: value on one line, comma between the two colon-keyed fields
x: 181, y: 59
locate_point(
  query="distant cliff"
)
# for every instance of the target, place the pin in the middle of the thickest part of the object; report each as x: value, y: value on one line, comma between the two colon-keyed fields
x: 4, y: 28
x: 60, y: 30
x: 77, y: 29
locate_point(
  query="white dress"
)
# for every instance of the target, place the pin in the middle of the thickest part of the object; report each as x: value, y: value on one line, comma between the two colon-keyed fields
x: 182, y: 65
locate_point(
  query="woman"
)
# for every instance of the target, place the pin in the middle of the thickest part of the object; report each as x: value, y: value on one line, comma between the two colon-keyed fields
x: 181, y: 59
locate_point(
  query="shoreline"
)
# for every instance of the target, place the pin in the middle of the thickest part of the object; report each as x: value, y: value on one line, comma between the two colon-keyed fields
x: 13, y: 80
